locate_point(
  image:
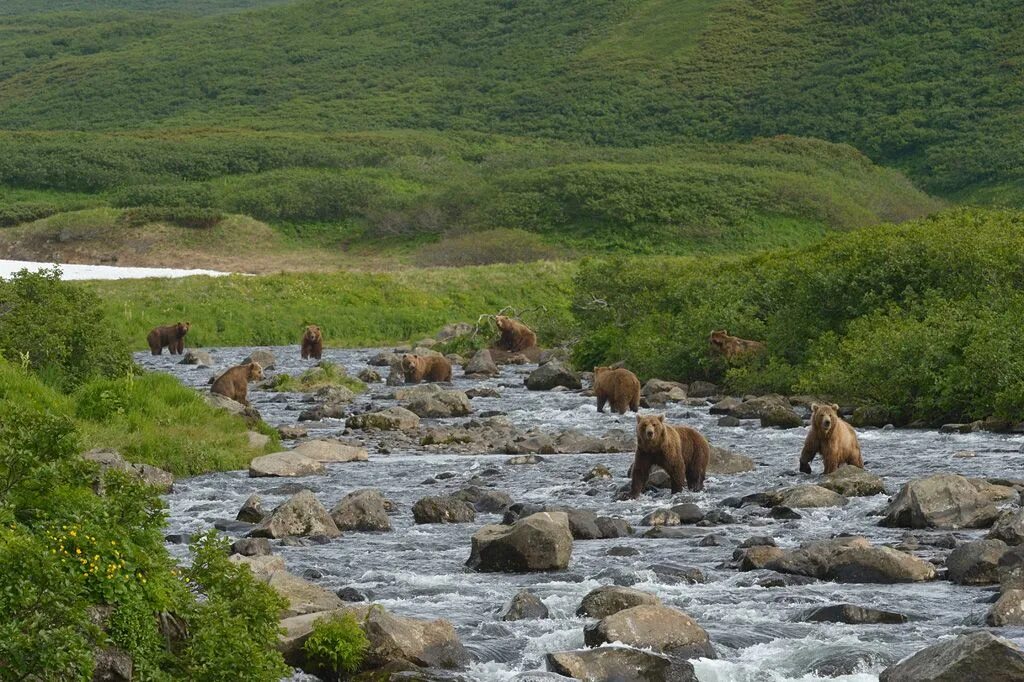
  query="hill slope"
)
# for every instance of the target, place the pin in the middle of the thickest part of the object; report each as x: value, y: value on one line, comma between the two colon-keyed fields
x: 930, y: 86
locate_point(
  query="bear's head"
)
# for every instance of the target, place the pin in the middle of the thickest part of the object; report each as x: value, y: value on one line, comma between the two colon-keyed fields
x: 598, y: 371
x: 255, y: 371
x: 312, y: 333
x: 718, y: 338
x: 650, y: 430
x: 183, y: 328
x: 503, y: 322
x: 409, y: 362
x: 824, y: 417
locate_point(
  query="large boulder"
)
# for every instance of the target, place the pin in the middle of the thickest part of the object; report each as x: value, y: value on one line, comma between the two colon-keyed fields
x: 251, y: 510
x: 608, y: 599
x: 1008, y: 611
x: 945, y: 501
x: 724, y: 462
x: 772, y: 410
x: 852, y: 615
x: 392, y: 419
x: 976, y: 563
x: 301, y: 514
x: 1009, y: 527
x: 659, y: 392
x: 111, y: 460
x: 432, y: 401
x: 661, y: 629
x: 364, y: 510
x: 975, y: 656
x: 810, y: 495
x: 525, y: 606
x: 434, y: 509
x: 483, y: 500
x: 302, y: 596
x: 621, y: 664
x: 852, y: 560
x: 284, y: 464
x: 539, y: 542
x: 482, y: 365
x: 331, y: 451
x: 199, y: 358
x: 264, y: 358
x: 392, y: 639
x: 554, y: 373
x: 852, y: 481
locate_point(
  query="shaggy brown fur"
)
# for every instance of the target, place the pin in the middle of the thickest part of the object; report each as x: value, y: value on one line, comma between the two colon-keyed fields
x: 312, y: 343
x: 733, y: 348
x: 617, y: 386
x: 515, y: 336
x: 426, y: 368
x: 234, y: 382
x: 832, y: 437
x: 681, y: 451
x: 172, y: 336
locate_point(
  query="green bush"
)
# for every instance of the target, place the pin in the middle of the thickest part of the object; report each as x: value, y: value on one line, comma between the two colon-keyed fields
x: 168, y: 194
x: 25, y: 212
x: 195, y: 217
x: 57, y: 329
x: 337, y: 646
x: 324, y: 375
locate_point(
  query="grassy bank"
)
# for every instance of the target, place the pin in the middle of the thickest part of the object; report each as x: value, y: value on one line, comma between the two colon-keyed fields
x: 352, y: 308
x: 921, y: 320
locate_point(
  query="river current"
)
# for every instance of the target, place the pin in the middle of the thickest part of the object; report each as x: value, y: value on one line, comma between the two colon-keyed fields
x: 418, y: 570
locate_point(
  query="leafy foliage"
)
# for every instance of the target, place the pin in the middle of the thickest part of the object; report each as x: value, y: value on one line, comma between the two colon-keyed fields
x: 337, y: 645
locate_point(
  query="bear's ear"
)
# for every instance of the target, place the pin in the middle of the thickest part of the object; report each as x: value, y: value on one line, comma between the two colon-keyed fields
x: 815, y: 407
x: 835, y: 407
x: 639, y: 418
x: 661, y: 418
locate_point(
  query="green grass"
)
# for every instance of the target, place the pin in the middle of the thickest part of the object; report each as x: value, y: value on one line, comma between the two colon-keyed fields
x: 353, y: 309
x: 324, y: 375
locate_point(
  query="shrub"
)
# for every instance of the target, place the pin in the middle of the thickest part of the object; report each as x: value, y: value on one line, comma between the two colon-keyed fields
x: 25, y: 212
x: 489, y: 246
x: 337, y: 645
x: 324, y: 375
x: 183, y: 216
x: 169, y: 194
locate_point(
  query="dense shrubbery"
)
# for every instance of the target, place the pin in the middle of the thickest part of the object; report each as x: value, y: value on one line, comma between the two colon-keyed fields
x: 25, y: 212
x: 182, y: 216
x: 920, y: 319
x: 337, y: 646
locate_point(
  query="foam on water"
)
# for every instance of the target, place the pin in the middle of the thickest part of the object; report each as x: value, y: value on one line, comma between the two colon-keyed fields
x: 419, y: 571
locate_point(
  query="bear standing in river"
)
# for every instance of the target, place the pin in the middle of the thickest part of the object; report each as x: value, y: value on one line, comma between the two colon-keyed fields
x: 617, y: 386
x: 681, y: 451
x: 832, y: 437
x: 430, y: 368
x: 234, y: 382
x: 312, y: 343
x: 733, y: 348
x: 172, y: 336
x: 515, y: 336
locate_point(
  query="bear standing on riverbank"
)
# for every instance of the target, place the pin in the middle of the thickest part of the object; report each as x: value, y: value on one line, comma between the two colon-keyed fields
x: 617, y: 386
x: 733, y: 348
x: 515, y: 336
x: 832, y: 437
x: 172, y: 336
x: 430, y: 368
x: 234, y: 383
x: 681, y: 451
x: 312, y: 343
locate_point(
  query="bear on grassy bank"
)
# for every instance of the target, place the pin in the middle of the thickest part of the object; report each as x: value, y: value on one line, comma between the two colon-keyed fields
x: 515, y: 336
x: 832, y: 437
x: 617, y: 386
x: 172, y: 336
x: 733, y: 348
x: 418, y: 368
x: 234, y: 382
x: 681, y: 451
x: 312, y: 343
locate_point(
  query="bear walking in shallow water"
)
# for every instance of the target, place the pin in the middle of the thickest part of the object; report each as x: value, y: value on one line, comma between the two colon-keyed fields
x: 418, y: 368
x: 234, y: 383
x: 681, y: 451
x: 171, y: 336
x: 617, y: 386
x: 832, y: 437
x: 312, y: 343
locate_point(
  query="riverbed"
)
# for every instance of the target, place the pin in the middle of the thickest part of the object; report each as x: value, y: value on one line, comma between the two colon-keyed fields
x: 418, y: 570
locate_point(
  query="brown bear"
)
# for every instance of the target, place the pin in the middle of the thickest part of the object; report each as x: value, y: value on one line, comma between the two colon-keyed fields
x: 733, y: 348
x: 234, y: 382
x: 681, y: 451
x: 515, y: 336
x: 172, y: 336
x: 617, y: 386
x: 419, y: 368
x: 832, y: 437
x: 312, y: 343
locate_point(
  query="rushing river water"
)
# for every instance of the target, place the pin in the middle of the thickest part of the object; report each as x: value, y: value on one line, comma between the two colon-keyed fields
x: 418, y: 570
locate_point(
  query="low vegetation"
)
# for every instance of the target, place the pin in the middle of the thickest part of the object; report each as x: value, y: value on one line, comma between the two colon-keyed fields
x: 324, y: 375
x: 919, y: 319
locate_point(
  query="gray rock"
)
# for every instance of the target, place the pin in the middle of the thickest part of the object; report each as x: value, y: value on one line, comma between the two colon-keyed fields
x: 728, y: 421
x: 945, y: 501
x: 611, y: 528
x: 432, y: 401
x: 852, y: 615
x: 772, y: 410
x: 362, y: 510
x: 482, y: 365
x: 724, y: 462
x: 599, y: 472
x: 251, y: 547
x: 1009, y: 527
x: 539, y: 542
x: 303, y: 597
x: 525, y: 606
x: 434, y: 509
x: 809, y: 496
x: 975, y: 656
x: 661, y: 629
x: 620, y: 664
x: 252, y: 510
x: 852, y: 481
x: 369, y: 376
x: 391, y: 419
x: 608, y: 599
x: 483, y: 500
x: 292, y: 432
x: 300, y: 515
x: 383, y: 359
x: 200, y: 358
x: 111, y: 460
x: 546, y: 377
x: 703, y: 389
x: 661, y: 517
x: 264, y: 358
x: 284, y: 464
x: 1008, y: 611
x: 519, y: 460
x: 331, y: 451
x: 976, y: 563
x: 851, y: 560
x: 688, y: 513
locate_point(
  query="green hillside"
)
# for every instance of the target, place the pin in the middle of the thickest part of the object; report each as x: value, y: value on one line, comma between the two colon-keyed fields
x: 932, y: 87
